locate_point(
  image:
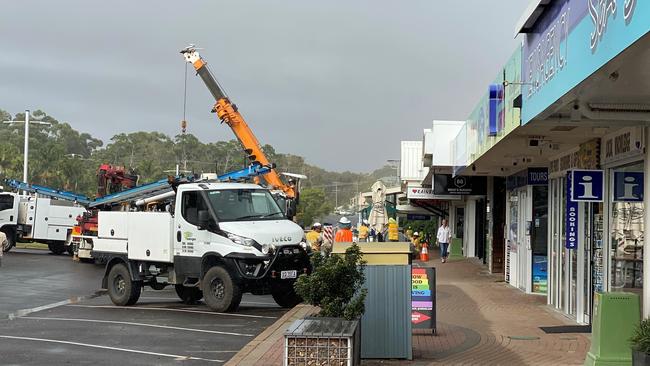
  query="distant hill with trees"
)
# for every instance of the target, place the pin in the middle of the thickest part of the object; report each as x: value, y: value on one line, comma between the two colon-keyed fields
x: 62, y: 157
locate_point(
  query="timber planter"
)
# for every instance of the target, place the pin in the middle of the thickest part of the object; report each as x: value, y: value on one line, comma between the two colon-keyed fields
x: 322, y: 341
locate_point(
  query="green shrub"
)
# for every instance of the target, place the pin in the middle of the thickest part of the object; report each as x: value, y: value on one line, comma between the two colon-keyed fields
x: 641, y: 338
x: 335, y: 284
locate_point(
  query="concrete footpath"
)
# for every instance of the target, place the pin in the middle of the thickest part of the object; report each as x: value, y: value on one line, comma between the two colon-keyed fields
x: 481, y: 321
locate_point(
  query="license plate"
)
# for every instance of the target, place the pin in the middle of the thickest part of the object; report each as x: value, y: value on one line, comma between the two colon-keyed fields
x: 288, y: 274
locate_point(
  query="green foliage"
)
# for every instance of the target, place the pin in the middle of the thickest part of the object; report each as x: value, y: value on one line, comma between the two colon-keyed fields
x: 313, y: 205
x: 641, y: 338
x: 64, y: 158
x: 335, y: 285
x: 426, y: 229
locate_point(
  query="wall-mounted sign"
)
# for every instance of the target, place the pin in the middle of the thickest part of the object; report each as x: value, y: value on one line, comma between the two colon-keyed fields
x: 420, y: 193
x: 585, y: 156
x: 418, y: 217
x: 530, y: 176
x: 496, y: 117
x: 587, y: 185
x: 423, y: 287
x: 623, y: 144
x: 571, y: 217
x: 628, y: 186
x: 445, y: 184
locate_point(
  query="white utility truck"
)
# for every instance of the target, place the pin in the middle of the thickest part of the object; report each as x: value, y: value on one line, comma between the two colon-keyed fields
x: 212, y: 240
x: 31, y: 218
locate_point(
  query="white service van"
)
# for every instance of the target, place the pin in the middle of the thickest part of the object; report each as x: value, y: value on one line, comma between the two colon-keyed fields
x: 214, y: 241
x: 29, y: 218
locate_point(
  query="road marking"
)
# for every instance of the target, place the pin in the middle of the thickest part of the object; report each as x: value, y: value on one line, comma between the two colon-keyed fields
x: 140, y: 324
x: 171, y: 299
x: 259, y: 303
x: 168, y: 309
x: 72, y: 300
x: 176, y: 357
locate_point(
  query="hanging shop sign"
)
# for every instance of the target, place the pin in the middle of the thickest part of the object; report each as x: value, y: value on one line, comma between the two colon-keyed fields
x: 420, y: 193
x: 530, y: 176
x: 628, y: 186
x: 496, y: 114
x: 624, y: 144
x: 571, y: 218
x: 587, y: 185
x: 445, y: 184
x: 423, y: 299
x: 418, y: 217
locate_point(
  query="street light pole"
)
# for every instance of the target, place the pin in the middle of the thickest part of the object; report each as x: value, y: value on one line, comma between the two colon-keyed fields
x: 26, y: 145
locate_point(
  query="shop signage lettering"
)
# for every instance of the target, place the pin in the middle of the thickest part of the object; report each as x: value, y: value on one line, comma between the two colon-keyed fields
x: 445, y: 184
x: 600, y: 11
x: 628, y: 186
x: 622, y: 145
x: 420, y: 193
x: 537, y: 176
x: 588, y: 186
x: 549, y: 55
x: 571, y: 222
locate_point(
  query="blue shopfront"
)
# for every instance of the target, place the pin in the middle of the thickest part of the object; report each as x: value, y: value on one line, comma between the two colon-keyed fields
x: 585, y: 91
x: 526, y: 253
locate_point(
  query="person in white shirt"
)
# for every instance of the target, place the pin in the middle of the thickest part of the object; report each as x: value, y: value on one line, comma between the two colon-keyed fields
x: 443, y: 237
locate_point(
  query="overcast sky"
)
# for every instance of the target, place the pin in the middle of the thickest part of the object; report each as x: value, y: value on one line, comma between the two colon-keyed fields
x: 338, y: 82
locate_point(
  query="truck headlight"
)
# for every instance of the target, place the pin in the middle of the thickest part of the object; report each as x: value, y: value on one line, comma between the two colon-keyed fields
x: 268, y: 249
x: 241, y: 240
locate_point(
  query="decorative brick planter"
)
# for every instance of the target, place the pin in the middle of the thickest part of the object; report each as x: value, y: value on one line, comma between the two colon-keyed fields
x: 322, y: 341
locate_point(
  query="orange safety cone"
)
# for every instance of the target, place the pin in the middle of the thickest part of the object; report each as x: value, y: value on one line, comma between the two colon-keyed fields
x: 424, y: 254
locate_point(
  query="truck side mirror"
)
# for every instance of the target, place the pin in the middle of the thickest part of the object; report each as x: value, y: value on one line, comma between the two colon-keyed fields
x: 203, y: 219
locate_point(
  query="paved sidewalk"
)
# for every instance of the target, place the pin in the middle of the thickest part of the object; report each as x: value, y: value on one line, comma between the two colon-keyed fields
x: 481, y: 321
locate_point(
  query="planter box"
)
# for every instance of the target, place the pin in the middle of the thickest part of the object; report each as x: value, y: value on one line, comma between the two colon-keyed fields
x: 640, y: 358
x: 322, y: 341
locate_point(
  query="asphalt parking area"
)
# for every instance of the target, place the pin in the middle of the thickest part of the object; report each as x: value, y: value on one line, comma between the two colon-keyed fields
x: 159, y: 329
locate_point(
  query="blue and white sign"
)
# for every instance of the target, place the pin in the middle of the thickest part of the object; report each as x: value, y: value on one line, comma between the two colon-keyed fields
x: 587, y: 185
x: 571, y: 222
x: 628, y: 186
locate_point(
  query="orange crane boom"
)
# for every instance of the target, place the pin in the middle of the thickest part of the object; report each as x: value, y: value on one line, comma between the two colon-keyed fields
x: 228, y: 113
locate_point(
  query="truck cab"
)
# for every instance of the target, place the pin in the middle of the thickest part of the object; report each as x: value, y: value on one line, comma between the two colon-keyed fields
x: 214, y: 240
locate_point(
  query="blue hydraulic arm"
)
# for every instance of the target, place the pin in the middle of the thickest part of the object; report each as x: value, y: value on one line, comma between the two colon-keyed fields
x: 253, y: 170
x: 48, y: 192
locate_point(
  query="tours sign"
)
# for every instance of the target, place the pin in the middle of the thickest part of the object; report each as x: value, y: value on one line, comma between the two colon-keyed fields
x: 423, y: 287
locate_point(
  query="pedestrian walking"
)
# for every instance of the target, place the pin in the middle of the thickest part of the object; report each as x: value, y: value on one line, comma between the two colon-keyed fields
x: 443, y: 237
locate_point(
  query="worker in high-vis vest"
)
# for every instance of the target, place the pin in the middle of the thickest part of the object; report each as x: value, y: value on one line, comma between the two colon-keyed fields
x: 344, y: 234
x: 364, y: 231
x: 393, y: 230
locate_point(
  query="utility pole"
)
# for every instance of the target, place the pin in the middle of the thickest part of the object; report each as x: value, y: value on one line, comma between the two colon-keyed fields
x: 336, y: 195
x: 26, y: 150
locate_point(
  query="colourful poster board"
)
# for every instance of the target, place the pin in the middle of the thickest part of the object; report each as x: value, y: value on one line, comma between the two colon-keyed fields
x: 423, y: 299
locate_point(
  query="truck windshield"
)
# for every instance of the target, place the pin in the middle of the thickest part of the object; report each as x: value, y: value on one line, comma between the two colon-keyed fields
x: 244, y: 205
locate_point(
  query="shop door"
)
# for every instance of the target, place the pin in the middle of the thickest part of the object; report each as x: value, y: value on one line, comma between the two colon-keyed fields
x: 593, y: 234
x: 524, y: 240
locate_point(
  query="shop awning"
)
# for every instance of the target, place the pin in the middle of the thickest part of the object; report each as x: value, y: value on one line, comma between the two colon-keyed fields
x: 531, y: 15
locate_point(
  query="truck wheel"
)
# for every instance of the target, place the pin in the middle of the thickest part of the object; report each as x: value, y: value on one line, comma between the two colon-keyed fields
x: 285, y: 296
x: 56, y: 247
x: 220, y: 292
x: 121, y: 289
x: 11, y: 240
x: 189, y: 295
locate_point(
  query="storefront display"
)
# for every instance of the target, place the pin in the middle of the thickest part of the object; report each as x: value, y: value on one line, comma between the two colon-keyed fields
x: 627, y: 228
